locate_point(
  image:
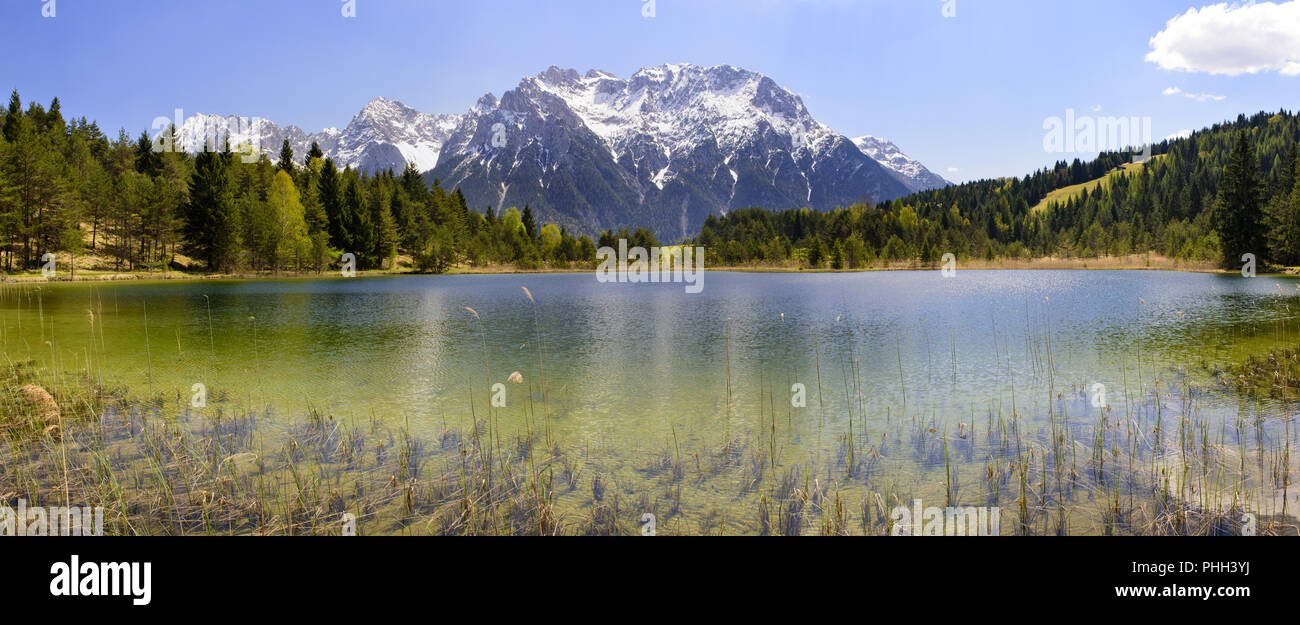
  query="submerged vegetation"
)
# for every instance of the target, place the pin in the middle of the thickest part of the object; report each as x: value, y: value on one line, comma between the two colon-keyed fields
x: 1157, y: 462
x: 1274, y: 374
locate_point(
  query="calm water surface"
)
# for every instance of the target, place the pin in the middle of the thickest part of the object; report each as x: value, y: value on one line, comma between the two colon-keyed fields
x: 629, y: 366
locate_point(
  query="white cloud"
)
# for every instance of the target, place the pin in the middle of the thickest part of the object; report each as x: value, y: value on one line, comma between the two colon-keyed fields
x: 1231, y: 39
x: 1096, y: 108
x: 953, y: 170
x: 1199, y: 97
x: 1181, y: 134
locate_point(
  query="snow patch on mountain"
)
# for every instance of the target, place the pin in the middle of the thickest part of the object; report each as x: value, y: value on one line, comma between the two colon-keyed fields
x: 665, y: 148
x: 910, y: 171
x: 385, y: 134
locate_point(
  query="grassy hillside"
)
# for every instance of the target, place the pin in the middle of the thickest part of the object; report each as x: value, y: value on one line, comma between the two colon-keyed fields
x: 1075, y: 191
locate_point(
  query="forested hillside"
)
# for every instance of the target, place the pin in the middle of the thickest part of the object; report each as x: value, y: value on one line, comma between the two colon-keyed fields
x: 1214, y: 196
x: 67, y: 189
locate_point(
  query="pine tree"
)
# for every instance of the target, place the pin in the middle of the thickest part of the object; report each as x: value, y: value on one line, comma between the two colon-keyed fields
x: 1283, y: 216
x: 381, y: 221
x: 530, y: 224
x: 313, y: 153
x: 147, y: 160
x: 1237, y: 212
x: 40, y: 190
x: 210, y: 219
x: 361, y: 234
x: 1294, y: 204
x: 816, y: 253
x: 12, y: 116
x: 54, y: 118
x: 309, y: 195
x: 1287, y: 174
x: 286, y: 158
x: 331, y: 199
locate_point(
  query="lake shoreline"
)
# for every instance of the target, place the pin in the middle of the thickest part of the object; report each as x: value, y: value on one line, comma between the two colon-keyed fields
x: 1130, y: 263
x: 272, y: 407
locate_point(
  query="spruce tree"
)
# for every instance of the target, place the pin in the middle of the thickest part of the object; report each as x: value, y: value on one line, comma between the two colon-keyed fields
x: 360, y: 239
x: 331, y: 199
x: 1237, y: 212
x: 313, y: 153
x: 54, y: 118
x: 12, y: 116
x: 384, y: 225
x: 147, y: 161
x: 210, y: 220
x: 816, y: 253
x: 286, y: 158
x: 530, y: 224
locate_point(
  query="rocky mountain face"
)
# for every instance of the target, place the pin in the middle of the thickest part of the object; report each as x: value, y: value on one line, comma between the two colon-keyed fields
x: 906, y: 169
x: 664, y: 149
x: 385, y: 134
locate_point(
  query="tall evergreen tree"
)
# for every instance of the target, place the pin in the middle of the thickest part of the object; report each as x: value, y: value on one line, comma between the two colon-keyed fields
x: 12, y: 117
x: 211, y: 224
x: 313, y: 153
x: 360, y: 234
x: 382, y: 223
x: 286, y: 158
x: 530, y: 223
x: 147, y: 160
x: 816, y: 254
x: 39, y: 193
x: 331, y: 199
x: 1237, y: 213
x: 54, y: 118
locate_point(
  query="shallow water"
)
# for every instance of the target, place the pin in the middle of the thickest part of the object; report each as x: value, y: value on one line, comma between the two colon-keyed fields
x: 633, y: 369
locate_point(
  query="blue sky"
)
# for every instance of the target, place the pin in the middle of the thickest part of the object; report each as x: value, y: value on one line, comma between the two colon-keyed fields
x: 967, y: 95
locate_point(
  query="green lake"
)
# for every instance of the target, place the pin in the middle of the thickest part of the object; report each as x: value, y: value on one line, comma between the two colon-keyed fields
x: 630, y: 373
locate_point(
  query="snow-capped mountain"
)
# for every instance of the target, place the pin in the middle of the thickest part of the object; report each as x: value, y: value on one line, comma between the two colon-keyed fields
x: 385, y: 134
x: 665, y: 148
x: 908, y: 170
x: 209, y: 132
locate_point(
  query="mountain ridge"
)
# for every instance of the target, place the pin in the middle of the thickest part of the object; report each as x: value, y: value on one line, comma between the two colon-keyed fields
x: 663, y: 148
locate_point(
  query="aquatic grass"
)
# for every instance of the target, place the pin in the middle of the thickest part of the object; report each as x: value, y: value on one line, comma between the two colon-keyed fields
x: 161, y: 468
